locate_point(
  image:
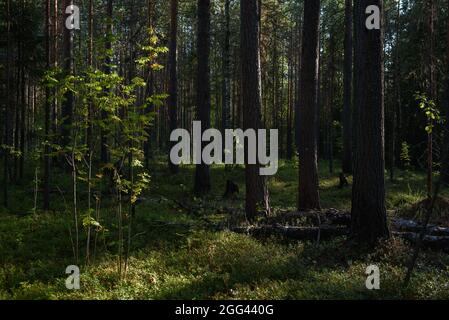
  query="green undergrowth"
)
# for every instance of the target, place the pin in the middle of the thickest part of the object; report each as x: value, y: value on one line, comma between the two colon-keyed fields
x: 176, y: 255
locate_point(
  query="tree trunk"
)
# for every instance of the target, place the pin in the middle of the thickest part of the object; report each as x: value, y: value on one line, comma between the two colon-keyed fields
x: 226, y: 104
x: 280, y: 112
x: 91, y: 33
x: 397, y: 103
x: 369, y: 217
x: 291, y: 91
x: 17, y: 111
x: 173, y: 77
x: 47, y: 110
x: 432, y: 88
x: 297, y: 81
x: 54, y: 61
x: 69, y: 99
x: 308, y: 196
x: 202, y: 174
x: 256, y: 189
x: 331, y: 101
x: 445, y: 171
x: 23, y: 110
x: 347, y: 95
x: 8, y: 105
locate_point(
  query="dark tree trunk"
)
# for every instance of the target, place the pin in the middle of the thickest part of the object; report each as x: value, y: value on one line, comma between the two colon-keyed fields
x: 369, y: 217
x: 308, y: 196
x: 23, y: 109
x: 279, y: 113
x: 173, y: 76
x: 331, y: 101
x: 55, y: 38
x: 297, y: 80
x: 432, y: 88
x: 19, y: 97
x: 91, y: 33
x: 445, y: 171
x: 397, y: 93
x: 256, y: 189
x: 202, y: 174
x: 69, y: 99
x: 17, y: 111
x: 8, y: 106
x: 47, y: 110
x: 226, y: 104
x: 347, y: 95
x: 290, y: 103
x: 319, y: 101
x: 274, y: 78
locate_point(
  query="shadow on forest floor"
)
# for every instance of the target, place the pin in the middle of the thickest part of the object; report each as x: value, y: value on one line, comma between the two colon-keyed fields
x: 174, y: 255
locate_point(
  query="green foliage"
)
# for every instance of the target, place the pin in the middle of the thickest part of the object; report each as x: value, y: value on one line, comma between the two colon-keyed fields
x: 405, y: 155
x: 88, y: 221
x: 151, y: 52
x: 107, y: 109
x: 430, y: 110
x: 11, y: 150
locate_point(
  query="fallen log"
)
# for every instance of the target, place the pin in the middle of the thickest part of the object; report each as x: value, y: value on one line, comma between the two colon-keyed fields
x: 334, y: 217
x: 430, y: 242
x: 403, y: 225
x: 328, y: 232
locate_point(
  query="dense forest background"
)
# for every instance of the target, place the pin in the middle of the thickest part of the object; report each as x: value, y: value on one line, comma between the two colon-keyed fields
x: 87, y: 113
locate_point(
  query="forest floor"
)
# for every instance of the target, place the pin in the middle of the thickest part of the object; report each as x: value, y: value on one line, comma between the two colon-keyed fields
x: 176, y: 255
